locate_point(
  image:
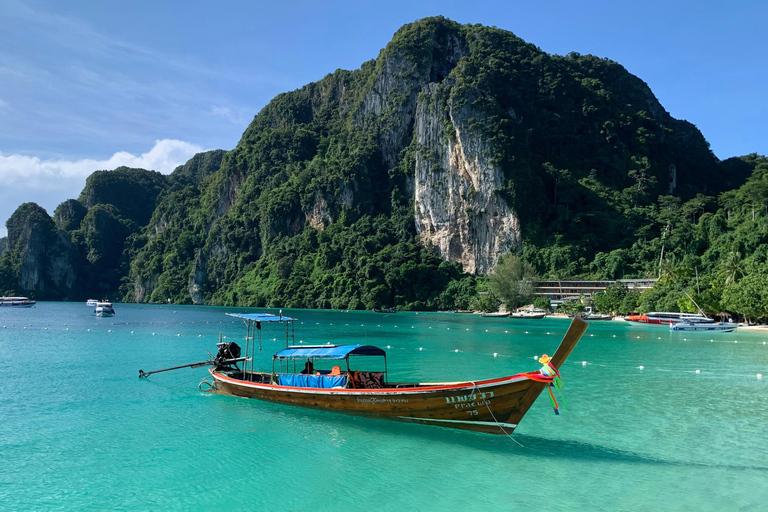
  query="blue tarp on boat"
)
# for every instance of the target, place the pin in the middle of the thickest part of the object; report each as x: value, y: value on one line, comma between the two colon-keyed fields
x: 312, y: 381
x: 329, y: 352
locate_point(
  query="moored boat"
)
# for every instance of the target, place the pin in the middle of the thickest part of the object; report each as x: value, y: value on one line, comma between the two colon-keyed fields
x: 498, y: 314
x: 703, y: 326
x: 668, y: 317
x: 104, y: 309
x: 532, y: 314
x: 495, y: 405
x: 597, y: 316
x: 17, y: 302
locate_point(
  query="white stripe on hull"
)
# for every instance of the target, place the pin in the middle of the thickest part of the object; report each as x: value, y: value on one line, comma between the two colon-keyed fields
x: 463, y: 422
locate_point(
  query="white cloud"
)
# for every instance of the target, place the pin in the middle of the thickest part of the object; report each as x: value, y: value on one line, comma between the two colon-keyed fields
x: 239, y: 119
x: 49, y: 182
x: 32, y: 172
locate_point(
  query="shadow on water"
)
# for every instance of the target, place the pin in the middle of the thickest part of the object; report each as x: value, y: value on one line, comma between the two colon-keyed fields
x: 524, y: 445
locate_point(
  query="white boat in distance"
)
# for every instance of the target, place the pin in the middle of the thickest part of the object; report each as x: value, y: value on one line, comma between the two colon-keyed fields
x: 17, y: 302
x: 704, y: 326
x: 91, y: 302
x: 104, y: 309
x: 533, y: 313
x: 500, y: 314
x: 669, y: 317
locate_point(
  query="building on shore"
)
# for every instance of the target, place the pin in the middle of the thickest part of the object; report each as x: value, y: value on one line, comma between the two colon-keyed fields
x: 557, y: 291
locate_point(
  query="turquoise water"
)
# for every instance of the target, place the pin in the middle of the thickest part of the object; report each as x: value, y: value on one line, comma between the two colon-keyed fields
x: 80, y: 431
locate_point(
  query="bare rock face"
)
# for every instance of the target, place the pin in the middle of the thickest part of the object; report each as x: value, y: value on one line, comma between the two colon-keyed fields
x: 457, y: 209
x: 198, y: 278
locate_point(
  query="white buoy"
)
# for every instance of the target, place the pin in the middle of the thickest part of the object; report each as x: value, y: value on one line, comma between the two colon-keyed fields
x: 526, y: 332
x: 486, y: 330
x: 199, y: 335
x: 389, y: 346
x: 583, y: 363
x: 152, y: 333
x: 591, y: 334
x: 420, y: 349
x: 535, y: 358
x: 456, y: 350
x: 614, y: 335
x: 698, y: 371
x: 759, y: 375
x: 641, y: 367
x: 735, y: 341
x: 109, y: 330
x: 47, y: 329
x: 26, y: 327
x: 88, y: 330
x: 495, y: 354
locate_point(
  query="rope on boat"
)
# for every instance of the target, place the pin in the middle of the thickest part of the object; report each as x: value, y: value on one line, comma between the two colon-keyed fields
x: 509, y: 435
x: 182, y: 383
x: 210, y: 385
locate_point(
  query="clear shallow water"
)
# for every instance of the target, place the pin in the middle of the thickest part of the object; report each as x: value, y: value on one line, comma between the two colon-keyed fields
x: 80, y: 431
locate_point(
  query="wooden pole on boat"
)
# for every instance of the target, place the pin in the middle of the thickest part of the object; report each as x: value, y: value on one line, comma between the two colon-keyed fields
x: 571, y: 338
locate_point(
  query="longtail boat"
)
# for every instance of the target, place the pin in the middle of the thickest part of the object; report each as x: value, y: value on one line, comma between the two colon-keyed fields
x: 494, y: 406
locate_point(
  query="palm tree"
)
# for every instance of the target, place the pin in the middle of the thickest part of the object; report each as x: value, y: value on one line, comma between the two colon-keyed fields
x: 731, y: 267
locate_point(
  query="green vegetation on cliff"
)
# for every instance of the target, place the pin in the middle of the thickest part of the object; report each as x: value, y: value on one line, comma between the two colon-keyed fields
x: 315, y: 207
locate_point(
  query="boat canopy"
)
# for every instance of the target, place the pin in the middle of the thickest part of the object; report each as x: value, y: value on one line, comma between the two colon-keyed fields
x: 329, y: 352
x: 262, y: 317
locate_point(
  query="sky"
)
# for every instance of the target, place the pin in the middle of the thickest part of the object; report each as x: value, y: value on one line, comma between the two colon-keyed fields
x: 88, y: 85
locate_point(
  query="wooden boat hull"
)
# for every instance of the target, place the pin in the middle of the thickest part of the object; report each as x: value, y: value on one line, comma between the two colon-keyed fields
x: 494, y: 406
x: 491, y: 406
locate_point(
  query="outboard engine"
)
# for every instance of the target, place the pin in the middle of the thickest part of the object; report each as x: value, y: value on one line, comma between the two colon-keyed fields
x: 227, y: 351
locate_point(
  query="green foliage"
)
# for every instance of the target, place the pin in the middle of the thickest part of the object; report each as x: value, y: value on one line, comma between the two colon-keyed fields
x: 612, y: 299
x: 512, y: 281
x: 542, y: 303
x: 748, y: 297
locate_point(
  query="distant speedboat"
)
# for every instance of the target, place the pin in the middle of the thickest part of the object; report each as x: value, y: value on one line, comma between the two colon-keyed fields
x: 17, y: 302
x: 91, y: 302
x: 104, y: 309
x: 707, y: 327
x: 532, y: 314
x: 672, y: 317
x: 597, y: 316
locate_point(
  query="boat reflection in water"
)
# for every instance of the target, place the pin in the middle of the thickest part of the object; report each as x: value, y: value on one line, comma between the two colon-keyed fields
x: 337, y: 378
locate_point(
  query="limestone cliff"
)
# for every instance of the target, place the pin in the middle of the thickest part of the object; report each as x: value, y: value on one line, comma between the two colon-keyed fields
x: 458, y: 210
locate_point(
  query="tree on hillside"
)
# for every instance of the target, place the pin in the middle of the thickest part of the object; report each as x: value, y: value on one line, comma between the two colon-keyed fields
x: 512, y: 280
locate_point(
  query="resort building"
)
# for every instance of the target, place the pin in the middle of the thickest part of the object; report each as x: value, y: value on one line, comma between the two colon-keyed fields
x: 557, y: 291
